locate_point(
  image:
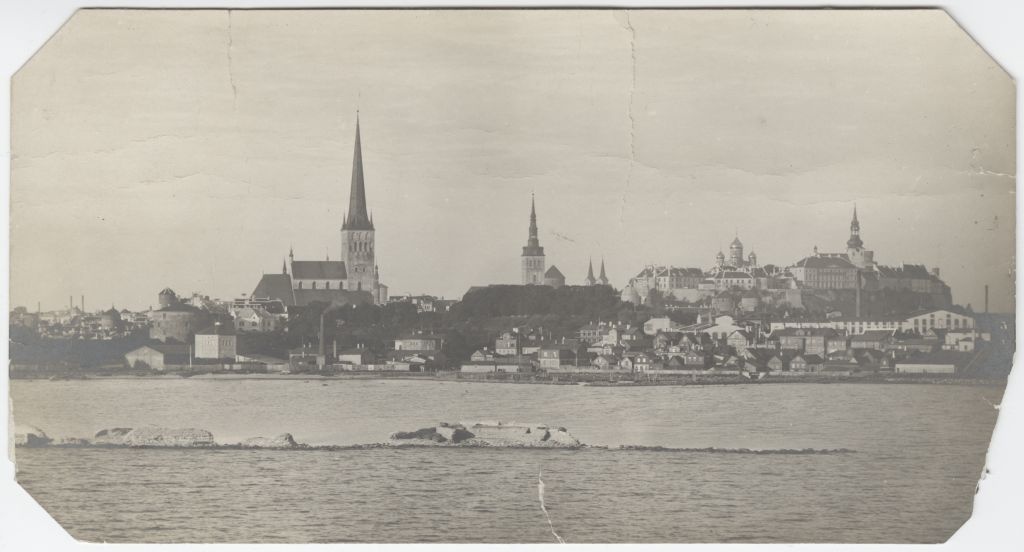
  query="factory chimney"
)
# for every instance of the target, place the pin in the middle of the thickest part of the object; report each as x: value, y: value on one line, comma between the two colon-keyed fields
x: 986, y: 298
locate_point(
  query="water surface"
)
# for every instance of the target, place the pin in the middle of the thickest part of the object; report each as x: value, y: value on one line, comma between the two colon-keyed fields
x: 919, y: 451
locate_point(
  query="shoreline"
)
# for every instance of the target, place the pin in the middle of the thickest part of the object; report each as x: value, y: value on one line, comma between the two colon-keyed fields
x: 661, y: 381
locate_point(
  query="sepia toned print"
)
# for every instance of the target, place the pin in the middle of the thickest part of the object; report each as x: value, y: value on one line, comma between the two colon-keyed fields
x: 502, y: 276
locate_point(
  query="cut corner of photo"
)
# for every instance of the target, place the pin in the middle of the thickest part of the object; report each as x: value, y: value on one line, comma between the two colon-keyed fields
x: 423, y: 275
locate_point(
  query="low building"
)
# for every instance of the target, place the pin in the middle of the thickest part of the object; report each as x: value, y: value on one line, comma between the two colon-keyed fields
x: 806, y: 363
x: 359, y: 356
x: 419, y: 342
x: 740, y: 340
x: 157, y: 356
x: 216, y: 342
x: 872, y: 339
x: 255, y: 320
x: 935, y: 363
x: 812, y: 341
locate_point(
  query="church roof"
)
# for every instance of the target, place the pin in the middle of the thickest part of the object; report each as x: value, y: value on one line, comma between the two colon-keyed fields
x: 358, y: 218
x: 319, y: 270
x: 553, y: 272
x: 275, y: 286
x: 736, y: 242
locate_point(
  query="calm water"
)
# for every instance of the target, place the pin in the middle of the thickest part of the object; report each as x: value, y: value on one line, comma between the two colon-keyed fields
x: 920, y: 450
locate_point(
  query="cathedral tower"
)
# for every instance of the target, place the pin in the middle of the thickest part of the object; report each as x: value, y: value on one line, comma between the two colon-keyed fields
x: 533, y: 253
x: 357, y: 232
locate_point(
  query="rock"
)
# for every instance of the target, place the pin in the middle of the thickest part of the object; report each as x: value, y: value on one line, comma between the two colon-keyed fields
x: 425, y: 436
x: 73, y: 442
x: 154, y: 437
x: 489, y: 434
x: 113, y: 436
x: 30, y: 436
x: 282, y: 441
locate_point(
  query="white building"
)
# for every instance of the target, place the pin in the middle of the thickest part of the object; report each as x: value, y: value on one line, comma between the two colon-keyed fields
x: 216, y: 342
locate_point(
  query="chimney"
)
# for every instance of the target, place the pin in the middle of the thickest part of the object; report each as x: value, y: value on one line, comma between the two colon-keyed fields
x: 935, y: 272
x: 986, y: 298
x: 857, y: 306
x: 83, y: 303
x: 71, y: 303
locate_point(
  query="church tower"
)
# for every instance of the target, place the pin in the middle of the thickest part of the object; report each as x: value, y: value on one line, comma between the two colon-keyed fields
x: 357, y: 232
x: 603, y: 278
x: 533, y: 253
x: 860, y: 257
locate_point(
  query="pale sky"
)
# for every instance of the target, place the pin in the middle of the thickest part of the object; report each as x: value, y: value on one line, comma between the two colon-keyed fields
x: 190, y: 148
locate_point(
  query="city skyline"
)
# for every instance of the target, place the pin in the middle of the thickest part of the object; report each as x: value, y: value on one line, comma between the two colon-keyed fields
x: 209, y: 186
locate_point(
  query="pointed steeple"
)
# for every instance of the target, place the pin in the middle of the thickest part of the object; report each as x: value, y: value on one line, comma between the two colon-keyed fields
x: 603, y: 278
x: 590, y: 273
x: 854, y: 242
x: 284, y: 267
x: 357, y: 218
x: 533, y: 247
x: 533, y: 217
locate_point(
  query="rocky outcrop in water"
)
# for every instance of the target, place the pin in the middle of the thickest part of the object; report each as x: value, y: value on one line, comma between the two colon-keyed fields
x: 113, y: 436
x: 155, y: 437
x: 282, y: 441
x: 488, y: 434
x: 30, y: 436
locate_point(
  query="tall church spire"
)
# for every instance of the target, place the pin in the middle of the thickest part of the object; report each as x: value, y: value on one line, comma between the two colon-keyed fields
x: 590, y: 273
x: 854, y: 242
x: 533, y: 221
x: 357, y: 218
x: 603, y: 278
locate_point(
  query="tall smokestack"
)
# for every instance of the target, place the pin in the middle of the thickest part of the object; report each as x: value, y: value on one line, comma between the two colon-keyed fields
x: 83, y: 304
x: 321, y: 350
x: 71, y: 303
x: 986, y: 298
x: 857, y: 301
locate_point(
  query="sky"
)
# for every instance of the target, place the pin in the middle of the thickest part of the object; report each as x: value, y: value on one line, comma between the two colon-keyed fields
x: 191, y: 149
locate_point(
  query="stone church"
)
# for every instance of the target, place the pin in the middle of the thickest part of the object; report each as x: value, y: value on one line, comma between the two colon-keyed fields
x: 354, y: 278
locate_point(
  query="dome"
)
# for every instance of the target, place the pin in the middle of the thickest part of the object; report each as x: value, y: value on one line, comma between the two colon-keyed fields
x: 736, y: 243
x: 720, y: 255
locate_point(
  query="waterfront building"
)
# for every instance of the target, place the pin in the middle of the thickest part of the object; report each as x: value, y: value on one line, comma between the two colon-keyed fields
x: 157, y: 356
x: 419, y: 342
x: 216, y: 342
x: 812, y: 341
